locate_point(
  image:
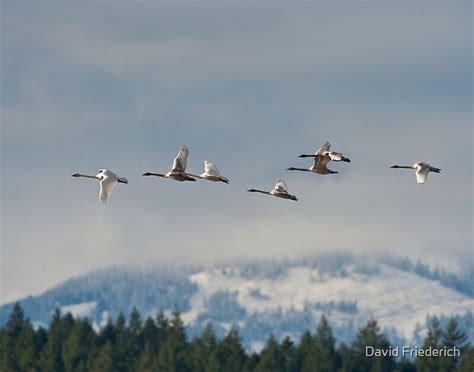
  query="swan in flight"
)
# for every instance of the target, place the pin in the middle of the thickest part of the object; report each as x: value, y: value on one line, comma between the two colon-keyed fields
x: 108, y: 180
x: 321, y: 158
x: 178, y: 171
x: 211, y: 173
x: 280, y: 191
x: 421, y: 170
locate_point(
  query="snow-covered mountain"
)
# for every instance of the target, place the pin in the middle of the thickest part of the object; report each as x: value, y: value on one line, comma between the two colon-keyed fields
x: 260, y: 298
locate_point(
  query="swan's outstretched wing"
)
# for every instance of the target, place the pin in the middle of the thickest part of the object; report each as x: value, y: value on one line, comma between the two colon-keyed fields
x: 210, y: 168
x: 429, y: 166
x: 107, y: 184
x: 324, y: 148
x: 321, y: 160
x: 179, y: 163
x: 281, y: 186
x: 422, y: 174
x: 335, y: 156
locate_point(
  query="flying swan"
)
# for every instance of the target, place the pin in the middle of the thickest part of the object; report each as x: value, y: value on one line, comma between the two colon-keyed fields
x: 211, y: 173
x: 280, y: 191
x: 421, y: 170
x: 108, y: 180
x: 321, y: 158
x: 178, y: 171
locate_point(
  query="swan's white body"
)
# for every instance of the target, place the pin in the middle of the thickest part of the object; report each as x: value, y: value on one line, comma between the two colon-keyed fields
x: 324, y: 152
x: 280, y: 191
x: 211, y: 173
x: 422, y: 170
x: 108, y: 180
x: 321, y: 158
x: 178, y: 170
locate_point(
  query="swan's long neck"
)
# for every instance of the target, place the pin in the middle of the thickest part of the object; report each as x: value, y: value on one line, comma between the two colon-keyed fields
x: 260, y: 191
x: 85, y: 176
x: 298, y: 169
x: 153, y: 174
x: 195, y: 175
x: 307, y: 156
x: 402, y: 166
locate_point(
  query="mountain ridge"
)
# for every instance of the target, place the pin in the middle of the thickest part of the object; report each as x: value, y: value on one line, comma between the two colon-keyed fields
x: 283, y: 297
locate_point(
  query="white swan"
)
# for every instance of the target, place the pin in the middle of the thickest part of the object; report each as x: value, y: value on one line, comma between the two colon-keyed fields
x: 280, y: 191
x: 178, y: 171
x: 211, y: 173
x: 421, y: 170
x: 108, y: 180
x: 321, y: 158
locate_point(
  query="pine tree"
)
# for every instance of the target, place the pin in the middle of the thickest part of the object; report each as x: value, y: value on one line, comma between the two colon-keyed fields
x: 452, y: 338
x: 135, y: 324
x: 78, y: 346
x: 327, y: 359
x: 305, y: 354
x: 344, y: 353
x: 17, y: 346
x: 104, y: 360
x: 147, y: 361
x: 134, y: 337
x: 173, y: 353
x: 231, y: 353
x: 467, y: 362
x: 288, y: 351
x: 203, y: 351
x: 51, y: 355
x: 25, y: 349
x: 162, y: 325
x: 149, y: 335
x: 40, y: 337
x: 106, y: 333
x: 121, y: 351
x: 405, y: 365
x: 271, y: 358
x: 433, y: 340
x: 357, y: 361
x: 251, y: 362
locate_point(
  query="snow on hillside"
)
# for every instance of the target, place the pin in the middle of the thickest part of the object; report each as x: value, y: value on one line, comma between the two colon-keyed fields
x: 80, y: 310
x: 396, y: 299
x: 270, y: 297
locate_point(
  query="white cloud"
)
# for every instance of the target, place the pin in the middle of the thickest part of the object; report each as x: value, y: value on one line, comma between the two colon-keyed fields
x: 123, y: 88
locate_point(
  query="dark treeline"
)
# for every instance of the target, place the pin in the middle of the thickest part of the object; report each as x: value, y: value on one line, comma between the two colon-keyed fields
x: 161, y: 344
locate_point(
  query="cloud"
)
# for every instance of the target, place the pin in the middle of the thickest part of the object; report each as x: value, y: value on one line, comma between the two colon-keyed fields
x: 171, y: 43
x: 249, y: 87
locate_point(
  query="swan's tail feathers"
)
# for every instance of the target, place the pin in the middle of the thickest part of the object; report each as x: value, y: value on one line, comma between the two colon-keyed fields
x: 122, y: 180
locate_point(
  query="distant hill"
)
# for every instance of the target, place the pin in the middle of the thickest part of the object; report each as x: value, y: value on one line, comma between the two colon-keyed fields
x: 279, y: 297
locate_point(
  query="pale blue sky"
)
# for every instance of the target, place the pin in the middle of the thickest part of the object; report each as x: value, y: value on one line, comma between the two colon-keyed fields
x: 250, y: 87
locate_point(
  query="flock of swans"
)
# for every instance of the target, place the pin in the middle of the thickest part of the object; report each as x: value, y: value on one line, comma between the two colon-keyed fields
x: 108, y: 179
